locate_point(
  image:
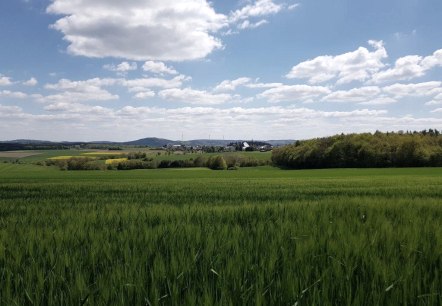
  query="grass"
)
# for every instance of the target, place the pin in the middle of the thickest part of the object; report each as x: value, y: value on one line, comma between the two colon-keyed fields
x: 181, y: 156
x: 255, y: 236
x: 46, y: 154
x: 63, y: 157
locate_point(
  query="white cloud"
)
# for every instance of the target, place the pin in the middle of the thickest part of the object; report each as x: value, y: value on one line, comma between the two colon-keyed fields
x: 139, y: 29
x: 433, y: 60
x: 294, y: 93
x: 123, y: 67
x: 405, y: 68
x: 263, y: 85
x: 78, y: 108
x: 246, y: 24
x: 437, y: 110
x: 145, y: 94
x: 5, y: 81
x: 436, y: 100
x: 87, y: 122
x: 31, y: 82
x: 368, y: 95
x: 357, y: 65
x: 158, y: 68
x: 12, y: 94
x: 192, y: 96
x: 6, y: 110
x: 293, y: 6
x: 381, y: 100
x: 231, y: 85
x: 413, y: 89
x: 75, y: 91
x: 409, y: 67
x: 243, y: 17
x: 353, y: 95
x: 258, y: 9
x: 94, y: 89
x: 144, y: 84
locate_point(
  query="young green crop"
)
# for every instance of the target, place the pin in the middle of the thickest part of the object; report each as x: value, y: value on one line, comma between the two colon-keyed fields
x: 255, y: 236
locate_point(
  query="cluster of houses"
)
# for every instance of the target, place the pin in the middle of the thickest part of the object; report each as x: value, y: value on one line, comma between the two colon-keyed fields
x: 231, y: 147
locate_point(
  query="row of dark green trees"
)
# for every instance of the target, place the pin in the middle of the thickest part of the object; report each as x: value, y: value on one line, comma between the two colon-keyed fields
x: 140, y: 160
x: 402, y: 149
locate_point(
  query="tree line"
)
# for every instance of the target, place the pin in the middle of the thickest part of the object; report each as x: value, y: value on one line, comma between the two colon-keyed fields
x: 391, y: 149
x: 140, y: 160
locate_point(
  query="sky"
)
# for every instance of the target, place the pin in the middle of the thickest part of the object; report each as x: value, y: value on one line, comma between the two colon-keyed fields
x: 81, y: 70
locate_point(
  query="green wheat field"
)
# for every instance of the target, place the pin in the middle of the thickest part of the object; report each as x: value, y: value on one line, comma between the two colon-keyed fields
x: 255, y: 236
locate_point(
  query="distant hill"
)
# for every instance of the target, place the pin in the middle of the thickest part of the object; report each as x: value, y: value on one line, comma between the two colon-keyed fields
x: 150, y: 142
x: 159, y: 142
x: 29, y: 144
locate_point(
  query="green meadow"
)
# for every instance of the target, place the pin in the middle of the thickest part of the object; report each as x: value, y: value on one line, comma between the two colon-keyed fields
x: 254, y: 236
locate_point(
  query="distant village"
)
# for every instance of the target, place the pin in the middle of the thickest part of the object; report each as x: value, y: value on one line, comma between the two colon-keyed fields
x: 231, y: 147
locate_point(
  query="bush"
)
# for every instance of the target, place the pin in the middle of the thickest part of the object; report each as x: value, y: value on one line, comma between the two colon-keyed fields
x: 76, y: 163
x: 136, y: 155
x: 84, y: 164
x: 136, y: 164
x: 217, y: 163
x: 200, y: 161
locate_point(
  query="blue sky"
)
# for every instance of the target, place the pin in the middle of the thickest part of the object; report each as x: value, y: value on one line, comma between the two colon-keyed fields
x: 240, y: 69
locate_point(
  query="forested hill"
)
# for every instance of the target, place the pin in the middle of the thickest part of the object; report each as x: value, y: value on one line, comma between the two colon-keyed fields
x: 409, y: 149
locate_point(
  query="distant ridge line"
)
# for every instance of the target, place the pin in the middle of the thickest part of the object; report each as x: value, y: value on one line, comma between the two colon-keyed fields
x: 148, y: 141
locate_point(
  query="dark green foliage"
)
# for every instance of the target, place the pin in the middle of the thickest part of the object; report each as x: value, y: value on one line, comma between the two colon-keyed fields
x: 136, y: 155
x: 200, y: 161
x: 362, y: 151
x: 216, y: 163
x: 183, y: 163
x: 136, y: 164
x: 74, y: 163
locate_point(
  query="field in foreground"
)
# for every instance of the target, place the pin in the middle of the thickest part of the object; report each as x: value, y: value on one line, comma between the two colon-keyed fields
x: 256, y: 236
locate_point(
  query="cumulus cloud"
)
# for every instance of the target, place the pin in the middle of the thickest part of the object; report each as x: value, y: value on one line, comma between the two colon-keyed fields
x: 158, y: 68
x: 251, y: 15
x: 436, y: 100
x: 139, y: 29
x: 123, y: 67
x: 145, y: 84
x: 414, y: 89
x: 152, y: 30
x: 381, y: 100
x: 98, y: 112
x: 358, y: 65
x: 5, y: 81
x: 354, y: 95
x: 192, y: 96
x: 74, y: 91
x: 294, y: 93
x: 65, y: 121
x: 409, y: 67
x: 144, y: 94
x: 258, y: 9
x: 437, y: 110
x: 12, y: 94
x: 31, y: 82
x: 263, y: 85
x: 231, y: 85
x: 6, y: 110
